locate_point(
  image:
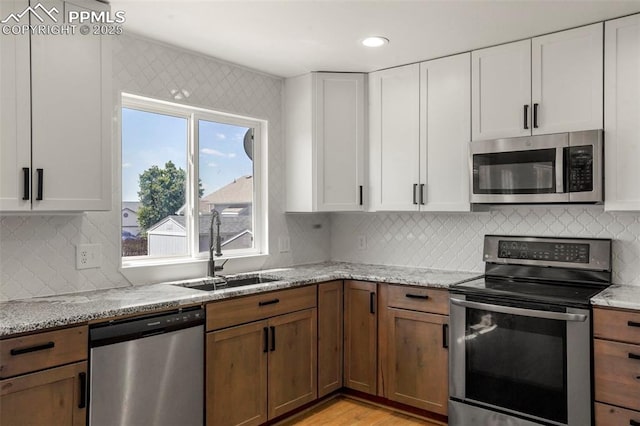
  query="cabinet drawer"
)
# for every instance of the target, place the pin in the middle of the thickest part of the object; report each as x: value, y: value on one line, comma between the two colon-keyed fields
x: 617, y: 373
x: 42, y: 350
x: 611, y: 324
x: 252, y: 308
x: 607, y: 415
x: 418, y: 299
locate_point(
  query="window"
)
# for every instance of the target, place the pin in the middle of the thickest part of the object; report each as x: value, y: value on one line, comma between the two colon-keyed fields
x: 182, y: 164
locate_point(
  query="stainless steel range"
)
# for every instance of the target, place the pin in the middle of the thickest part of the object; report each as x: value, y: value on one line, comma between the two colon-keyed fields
x: 520, y: 348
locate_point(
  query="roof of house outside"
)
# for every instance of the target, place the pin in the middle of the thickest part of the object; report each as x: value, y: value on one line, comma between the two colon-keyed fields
x: 131, y: 205
x: 230, y: 224
x: 240, y: 191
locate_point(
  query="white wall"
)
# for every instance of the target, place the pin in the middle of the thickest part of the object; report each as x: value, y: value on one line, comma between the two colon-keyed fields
x: 37, y: 253
x: 455, y: 241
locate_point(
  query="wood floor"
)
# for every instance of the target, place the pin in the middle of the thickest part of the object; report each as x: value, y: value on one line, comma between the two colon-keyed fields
x: 342, y: 411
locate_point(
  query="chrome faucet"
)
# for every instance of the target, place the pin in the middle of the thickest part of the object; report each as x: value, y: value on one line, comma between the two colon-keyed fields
x: 217, y: 244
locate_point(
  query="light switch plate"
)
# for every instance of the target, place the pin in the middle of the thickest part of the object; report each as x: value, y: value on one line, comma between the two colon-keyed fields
x: 284, y: 244
x: 88, y: 256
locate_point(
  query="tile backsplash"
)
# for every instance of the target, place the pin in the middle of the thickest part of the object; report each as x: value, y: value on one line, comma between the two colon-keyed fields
x: 37, y: 253
x: 454, y: 241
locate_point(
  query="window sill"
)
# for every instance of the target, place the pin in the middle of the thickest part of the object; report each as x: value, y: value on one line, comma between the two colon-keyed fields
x: 147, y: 271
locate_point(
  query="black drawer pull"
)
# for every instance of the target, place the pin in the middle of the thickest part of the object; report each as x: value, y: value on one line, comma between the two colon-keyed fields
x: 633, y: 324
x: 266, y: 340
x: 361, y: 199
x: 415, y: 187
x: 372, y: 302
x: 526, y: 117
x: 25, y: 175
x: 40, y: 184
x: 273, y: 339
x: 445, y: 336
x: 82, y: 377
x: 535, y: 116
x: 35, y: 348
x: 634, y: 356
x: 269, y: 302
x: 422, y: 193
x: 633, y: 422
x: 417, y: 296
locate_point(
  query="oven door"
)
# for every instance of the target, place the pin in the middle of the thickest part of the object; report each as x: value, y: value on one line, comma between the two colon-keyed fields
x: 527, y: 362
x: 519, y: 170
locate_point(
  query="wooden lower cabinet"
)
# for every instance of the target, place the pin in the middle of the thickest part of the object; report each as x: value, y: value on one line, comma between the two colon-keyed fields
x: 55, y: 397
x: 330, y: 334
x: 608, y: 415
x: 418, y: 359
x: 261, y: 370
x: 360, y: 336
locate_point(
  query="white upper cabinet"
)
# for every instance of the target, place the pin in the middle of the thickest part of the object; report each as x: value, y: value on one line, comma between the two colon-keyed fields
x: 622, y: 113
x: 549, y: 84
x: 566, y: 85
x: 15, y: 116
x: 501, y: 97
x: 394, y: 138
x: 70, y: 117
x: 445, y: 132
x: 324, y: 137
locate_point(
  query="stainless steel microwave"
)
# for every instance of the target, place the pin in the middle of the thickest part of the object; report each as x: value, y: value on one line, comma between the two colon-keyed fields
x: 557, y: 168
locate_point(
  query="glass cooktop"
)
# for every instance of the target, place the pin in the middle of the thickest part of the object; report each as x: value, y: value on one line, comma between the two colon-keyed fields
x: 547, y: 292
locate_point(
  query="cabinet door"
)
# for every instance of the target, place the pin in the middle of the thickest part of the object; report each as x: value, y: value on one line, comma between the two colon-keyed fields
x: 55, y: 397
x: 15, y: 115
x: 622, y: 113
x: 445, y: 122
x: 340, y: 103
x: 394, y: 128
x: 501, y: 91
x: 329, y: 337
x: 360, y: 336
x: 236, y: 375
x: 418, y: 357
x: 566, y: 82
x: 71, y: 117
x: 292, y: 361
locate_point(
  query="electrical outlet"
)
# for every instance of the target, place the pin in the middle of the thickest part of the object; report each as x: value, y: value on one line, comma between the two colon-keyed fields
x: 88, y: 256
x: 284, y: 244
x: 362, y: 242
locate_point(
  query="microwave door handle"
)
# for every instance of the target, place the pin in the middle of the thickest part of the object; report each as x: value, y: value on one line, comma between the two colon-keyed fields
x: 534, y: 313
x: 560, y: 170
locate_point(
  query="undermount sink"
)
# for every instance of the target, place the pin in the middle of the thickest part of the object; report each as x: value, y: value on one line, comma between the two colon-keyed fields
x: 231, y: 283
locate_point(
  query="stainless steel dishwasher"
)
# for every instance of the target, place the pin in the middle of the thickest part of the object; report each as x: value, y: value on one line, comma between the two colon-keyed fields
x: 148, y: 370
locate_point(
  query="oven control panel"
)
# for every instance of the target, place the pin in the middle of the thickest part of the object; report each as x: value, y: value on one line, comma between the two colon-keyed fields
x: 549, y: 251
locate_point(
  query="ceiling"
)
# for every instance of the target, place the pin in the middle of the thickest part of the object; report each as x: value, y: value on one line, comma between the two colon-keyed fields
x: 288, y: 38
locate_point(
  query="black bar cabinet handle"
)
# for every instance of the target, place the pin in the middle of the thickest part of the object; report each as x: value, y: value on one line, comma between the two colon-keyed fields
x: 634, y: 422
x: 361, y: 199
x: 273, y: 338
x: 417, y: 296
x: 372, y: 302
x: 634, y: 356
x: 535, y: 116
x: 526, y: 117
x: 40, y: 183
x: 25, y: 175
x: 269, y: 302
x: 35, y: 348
x: 415, y: 186
x: 266, y: 340
x: 445, y: 336
x: 82, y: 377
x: 422, y: 193
x: 633, y: 324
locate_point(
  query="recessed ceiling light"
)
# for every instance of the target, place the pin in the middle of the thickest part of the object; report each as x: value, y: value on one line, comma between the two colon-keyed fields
x: 376, y: 41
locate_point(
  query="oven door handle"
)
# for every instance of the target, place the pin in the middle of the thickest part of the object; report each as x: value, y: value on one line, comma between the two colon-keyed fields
x: 520, y: 311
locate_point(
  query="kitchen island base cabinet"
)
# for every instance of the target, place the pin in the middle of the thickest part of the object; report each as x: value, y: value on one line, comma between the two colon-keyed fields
x: 50, y: 397
x: 608, y: 415
x: 330, y: 320
x: 360, y: 336
x: 418, y: 357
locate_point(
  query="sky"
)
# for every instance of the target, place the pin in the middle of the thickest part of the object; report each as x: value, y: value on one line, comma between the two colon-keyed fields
x: 153, y: 139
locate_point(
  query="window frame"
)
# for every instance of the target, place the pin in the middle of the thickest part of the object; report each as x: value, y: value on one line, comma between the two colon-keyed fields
x: 193, y: 115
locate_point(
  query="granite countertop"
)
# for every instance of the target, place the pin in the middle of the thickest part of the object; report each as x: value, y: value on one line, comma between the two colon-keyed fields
x: 618, y: 296
x: 44, y: 312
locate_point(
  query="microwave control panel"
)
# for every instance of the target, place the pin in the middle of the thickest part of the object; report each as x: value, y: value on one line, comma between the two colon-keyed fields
x: 580, y: 159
